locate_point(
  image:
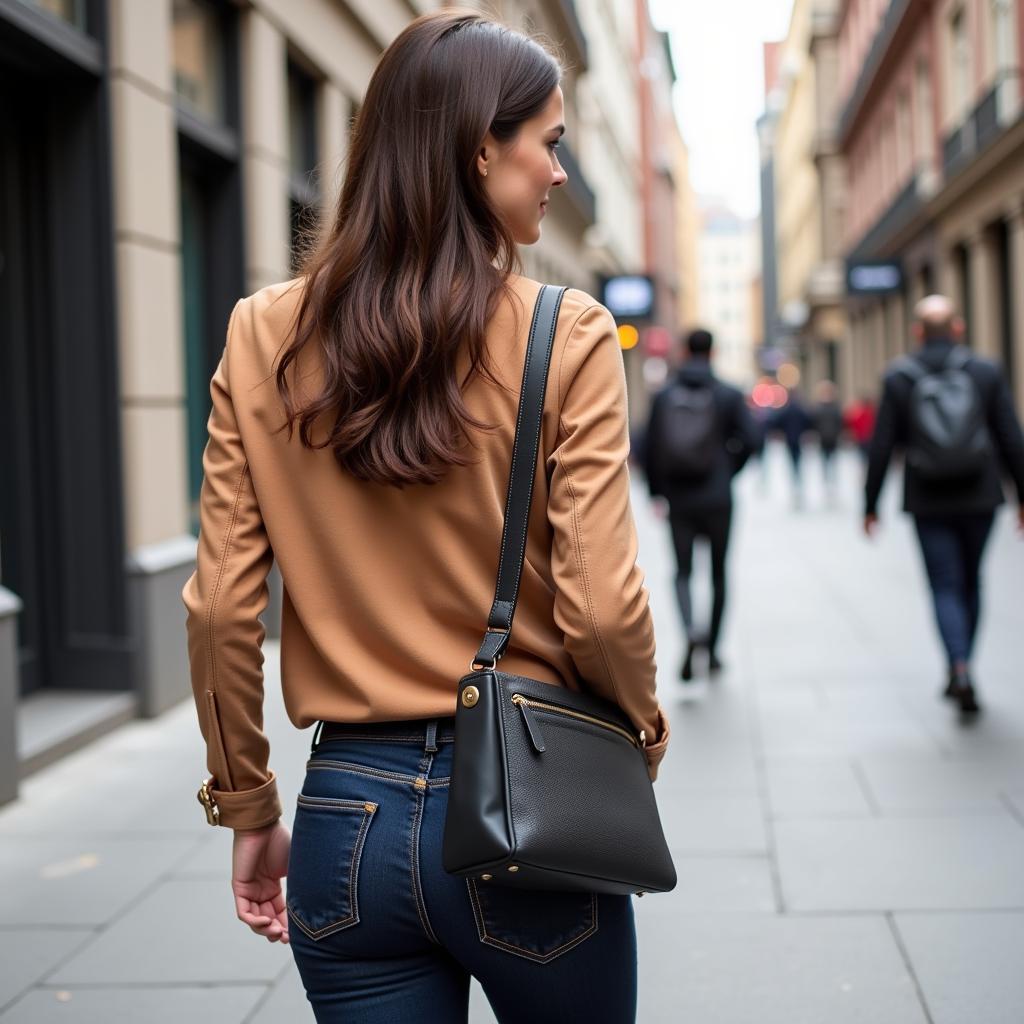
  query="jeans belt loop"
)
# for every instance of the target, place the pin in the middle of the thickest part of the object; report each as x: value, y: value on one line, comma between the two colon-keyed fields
x: 431, y: 744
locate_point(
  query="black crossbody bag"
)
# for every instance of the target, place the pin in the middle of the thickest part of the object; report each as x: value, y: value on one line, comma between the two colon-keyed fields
x: 550, y: 788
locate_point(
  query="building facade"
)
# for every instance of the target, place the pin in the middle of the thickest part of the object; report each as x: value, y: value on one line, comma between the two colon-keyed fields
x: 931, y: 130
x: 687, y: 231
x: 769, y: 331
x: 809, y: 194
x: 165, y: 158
x: 728, y: 262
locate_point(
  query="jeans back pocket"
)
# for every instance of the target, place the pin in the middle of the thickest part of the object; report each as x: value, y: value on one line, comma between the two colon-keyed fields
x: 534, y: 924
x: 323, y: 867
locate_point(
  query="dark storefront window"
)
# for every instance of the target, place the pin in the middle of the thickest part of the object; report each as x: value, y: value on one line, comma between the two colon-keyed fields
x: 303, y: 184
x: 61, y: 499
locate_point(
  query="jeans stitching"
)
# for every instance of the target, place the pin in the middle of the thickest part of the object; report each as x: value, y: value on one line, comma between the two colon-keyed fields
x: 542, y: 958
x: 414, y: 851
x: 353, y: 890
x: 376, y: 773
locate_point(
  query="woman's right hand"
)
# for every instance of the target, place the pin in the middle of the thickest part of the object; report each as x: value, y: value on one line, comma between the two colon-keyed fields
x: 259, y: 860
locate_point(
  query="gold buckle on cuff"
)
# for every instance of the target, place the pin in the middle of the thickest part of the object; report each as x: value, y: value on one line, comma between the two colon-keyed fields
x: 205, y: 797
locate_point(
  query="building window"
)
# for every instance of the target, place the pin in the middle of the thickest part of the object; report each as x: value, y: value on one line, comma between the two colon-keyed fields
x: 904, y: 136
x: 71, y: 11
x: 303, y: 183
x: 960, y: 53
x: 199, y: 59
x: 924, y: 133
x: 1004, y: 32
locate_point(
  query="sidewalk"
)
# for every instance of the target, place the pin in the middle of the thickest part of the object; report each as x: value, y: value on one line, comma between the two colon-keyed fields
x: 846, y: 851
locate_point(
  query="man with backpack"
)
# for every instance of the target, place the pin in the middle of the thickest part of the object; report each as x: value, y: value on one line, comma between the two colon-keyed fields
x: 699, y: 435
x: 952, y: 414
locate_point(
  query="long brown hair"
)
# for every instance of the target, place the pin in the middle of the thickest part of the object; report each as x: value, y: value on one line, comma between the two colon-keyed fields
x: 416, y: 259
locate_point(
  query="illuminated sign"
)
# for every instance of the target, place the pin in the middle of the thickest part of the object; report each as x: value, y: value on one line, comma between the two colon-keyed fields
x: 630, y: 296
x: 873, y: 278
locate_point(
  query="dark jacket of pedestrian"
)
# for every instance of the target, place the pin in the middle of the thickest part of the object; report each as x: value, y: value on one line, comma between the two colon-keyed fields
x: 792, y: 421
x: 980, y: 493
x: 828, y: 424
x: 738, y: 431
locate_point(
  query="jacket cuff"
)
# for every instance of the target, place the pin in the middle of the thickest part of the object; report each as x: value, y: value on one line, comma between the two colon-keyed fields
x: 249, y: 808
x: 656, y: 751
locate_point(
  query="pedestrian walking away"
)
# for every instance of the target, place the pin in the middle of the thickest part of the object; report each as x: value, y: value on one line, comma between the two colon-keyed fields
x: 952, y: 414
x: 793, y: 421
x: 700, y: 434
x: 828, y: 425
x: 361, y: 436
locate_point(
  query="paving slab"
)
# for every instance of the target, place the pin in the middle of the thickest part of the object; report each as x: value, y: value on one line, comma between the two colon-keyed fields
x: 809, y: 787
x: 27, y: 955
x: 901, y: 783
x: 215, y: 1004
x: 968, y: 965
x: 286, y: 1001
x: 80, y: 880
x: 922, y: 863
x: 718, y: 884
x: 719, y: 823
x: 734, y: 969
x: 182, y: 932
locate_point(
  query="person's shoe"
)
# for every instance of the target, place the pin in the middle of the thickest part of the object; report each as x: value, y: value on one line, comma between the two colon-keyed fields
x: 963, y: 693
x: 968, y: 700
x: 714, y: 664
x: 950, y: 691
x: 686, y: 672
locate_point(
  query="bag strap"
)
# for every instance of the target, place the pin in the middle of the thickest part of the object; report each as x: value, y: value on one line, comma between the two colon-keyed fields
x: 520, y: 481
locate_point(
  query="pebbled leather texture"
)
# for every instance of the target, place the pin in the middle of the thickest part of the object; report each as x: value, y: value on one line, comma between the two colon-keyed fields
x: 581, y: 815
x: 565, y: 801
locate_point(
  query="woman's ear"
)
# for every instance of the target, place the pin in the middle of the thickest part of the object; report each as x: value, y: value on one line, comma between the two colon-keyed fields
x: 485, y: 155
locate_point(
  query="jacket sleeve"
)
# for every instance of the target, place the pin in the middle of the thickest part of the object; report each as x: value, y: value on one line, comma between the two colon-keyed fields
x: 883, y: 442
x: 1005, y: 430
x: 224, y: 597
x: 601, y: 603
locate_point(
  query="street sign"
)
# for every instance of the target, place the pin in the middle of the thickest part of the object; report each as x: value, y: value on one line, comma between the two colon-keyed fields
x: 874, y: 278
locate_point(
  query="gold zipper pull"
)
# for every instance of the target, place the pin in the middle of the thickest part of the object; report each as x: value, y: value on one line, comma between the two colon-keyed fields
x: 530, y: 721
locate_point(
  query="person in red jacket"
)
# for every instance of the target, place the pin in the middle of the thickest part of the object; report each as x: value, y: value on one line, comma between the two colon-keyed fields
x: 860, y: 422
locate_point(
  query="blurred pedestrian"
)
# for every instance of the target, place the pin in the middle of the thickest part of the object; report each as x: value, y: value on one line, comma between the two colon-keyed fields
x: 399, y: 357
x: 699, y: 436
x: 952, y: 414
x: 827, y: 417
x: 860, y: 422
x: 793, y: 421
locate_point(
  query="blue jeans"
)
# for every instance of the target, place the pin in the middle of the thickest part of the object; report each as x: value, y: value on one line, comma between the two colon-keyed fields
x: 952, y: 547
x: 381, y: 932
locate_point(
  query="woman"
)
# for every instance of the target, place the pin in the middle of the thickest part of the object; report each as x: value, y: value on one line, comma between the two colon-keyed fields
x: 398, y: 355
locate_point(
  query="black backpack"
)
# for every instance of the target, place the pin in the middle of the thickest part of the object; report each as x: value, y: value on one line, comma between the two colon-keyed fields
x: 688, y: 438
x: 948, y: 435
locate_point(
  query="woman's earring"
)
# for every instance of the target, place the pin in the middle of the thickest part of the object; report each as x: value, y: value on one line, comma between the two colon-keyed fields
x: 484, y: 172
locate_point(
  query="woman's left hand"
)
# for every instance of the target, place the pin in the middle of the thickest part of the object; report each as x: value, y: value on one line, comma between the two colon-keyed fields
x: 259, y: 860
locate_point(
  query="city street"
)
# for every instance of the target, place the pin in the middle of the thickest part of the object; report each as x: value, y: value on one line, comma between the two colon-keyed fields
x: 847, y: 850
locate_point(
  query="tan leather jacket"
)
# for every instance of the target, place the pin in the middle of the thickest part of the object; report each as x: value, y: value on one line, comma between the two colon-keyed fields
x: 387, y: 591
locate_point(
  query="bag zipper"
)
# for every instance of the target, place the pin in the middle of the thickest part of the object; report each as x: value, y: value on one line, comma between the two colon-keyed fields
x: 525, y: 703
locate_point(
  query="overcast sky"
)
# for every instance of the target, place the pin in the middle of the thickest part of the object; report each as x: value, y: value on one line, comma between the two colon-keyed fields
x: 719, y: 95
